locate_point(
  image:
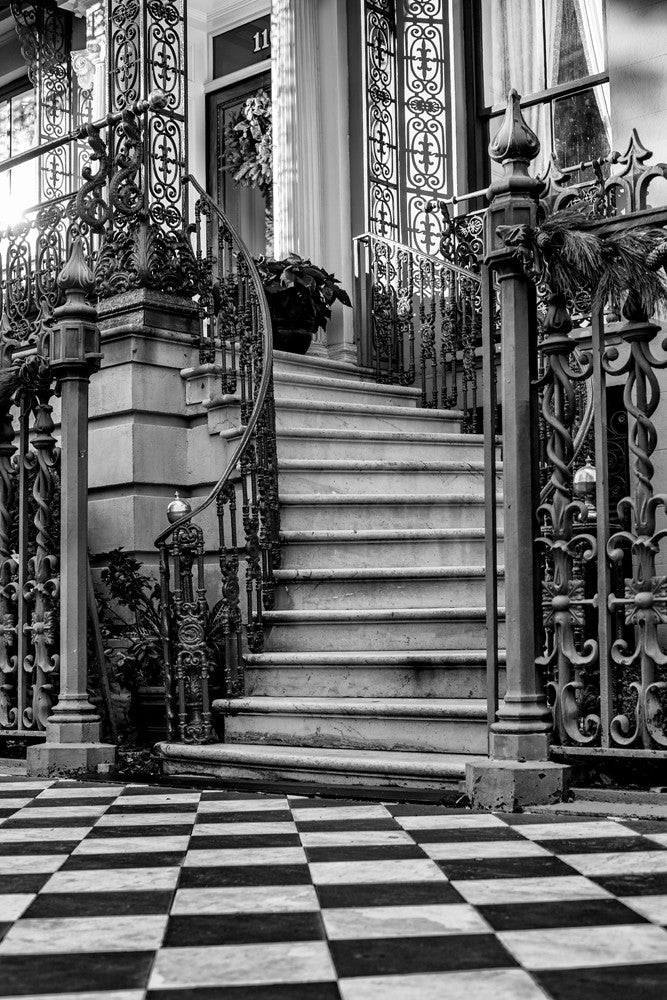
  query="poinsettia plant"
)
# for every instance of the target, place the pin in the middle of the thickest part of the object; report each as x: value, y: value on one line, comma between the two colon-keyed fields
x: 249, y: 144
x: 300, y: 294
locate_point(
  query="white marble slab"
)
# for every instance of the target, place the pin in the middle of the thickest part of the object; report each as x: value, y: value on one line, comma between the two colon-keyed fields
x: 81, y: 792
x: 529, y: 890
x: 241, y: 805
x: 652, y: 907
x: 23, y: 785
x: 353, y: 872
x: 334, y: 813
x: 445, y: 822
x: 629, y: 863
x: 113, y: 880
x: 242, y: 829
x: 480, y: 984
x: 462, y: 851
x: 657, y: 838
x: 112, y: 995
x: 43, y: 834
x: 29, y: 864
x: 246, y: 856
x: 590, y: 947
x: 402, y: 921
x: 246, y: 899
x: 573, y: 831
x: 76, y: 935
x: 147, y: 819
x: 74, y: 813
x: 355, y: 838
x: 242, y: 965
x: 164, y: 798
x: 14, y: 904
x: 131, y: 845
x: 14, y: 803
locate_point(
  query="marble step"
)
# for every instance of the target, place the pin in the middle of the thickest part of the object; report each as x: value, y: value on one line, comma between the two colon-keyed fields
x: 380, y: 674
x: 288, y: 384
x: 393, y: 445
x: 298, y: 410
x: 385, y: 547
x: 325, y: 475
x: 264, y: 762
x: 310, y: 364
x: 452, y: 725
x: 373, y: 587
x: 310, y: 511
x: 375, y: 628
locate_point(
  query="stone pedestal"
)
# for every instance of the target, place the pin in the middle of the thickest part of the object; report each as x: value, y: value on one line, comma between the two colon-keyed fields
x: 509, y: 786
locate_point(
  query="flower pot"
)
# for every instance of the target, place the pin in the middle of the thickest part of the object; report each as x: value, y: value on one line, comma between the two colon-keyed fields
x: 294, y: 341
x: 151, y: 714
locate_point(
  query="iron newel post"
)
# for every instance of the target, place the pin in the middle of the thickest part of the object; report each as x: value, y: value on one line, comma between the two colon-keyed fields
x: 518, y: 772
x: 73, y: 729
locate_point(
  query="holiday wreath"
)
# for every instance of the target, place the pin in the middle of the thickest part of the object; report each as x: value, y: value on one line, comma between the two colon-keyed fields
x: 248, y: 144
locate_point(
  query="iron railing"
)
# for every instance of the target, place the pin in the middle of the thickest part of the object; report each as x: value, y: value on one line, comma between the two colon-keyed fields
x: 197, y: 638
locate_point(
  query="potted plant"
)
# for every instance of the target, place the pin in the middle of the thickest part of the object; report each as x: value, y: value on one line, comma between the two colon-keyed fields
x: 300, y: 297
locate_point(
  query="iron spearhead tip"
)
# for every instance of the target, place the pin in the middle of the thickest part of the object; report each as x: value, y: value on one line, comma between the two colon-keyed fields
x: 76, y: 275
x: 515, y: 139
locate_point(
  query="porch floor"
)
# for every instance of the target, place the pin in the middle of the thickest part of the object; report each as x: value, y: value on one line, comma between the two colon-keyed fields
x: 121, y: 892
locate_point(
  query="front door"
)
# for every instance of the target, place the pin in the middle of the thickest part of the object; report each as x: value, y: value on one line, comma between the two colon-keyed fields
x: 245, y: 206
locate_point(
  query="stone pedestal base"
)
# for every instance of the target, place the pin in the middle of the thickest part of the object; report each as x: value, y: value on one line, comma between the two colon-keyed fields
x: 512, y: 785
x: 48, y: 760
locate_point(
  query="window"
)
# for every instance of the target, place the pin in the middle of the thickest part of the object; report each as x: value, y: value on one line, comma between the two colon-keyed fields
x: 554, y: 53
x: 18, y: 187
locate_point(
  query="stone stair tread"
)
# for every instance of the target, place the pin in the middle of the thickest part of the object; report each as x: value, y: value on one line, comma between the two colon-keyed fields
x: 349, y: 615
x: 382, y: 499
x: 381, y: 465
x: 345, y: 434
x: 383, y: 573
x: 383, y: 409
x: 399, y: 762
x: 419, y: 657
x: 424, y: 708
x: 378, y: 534
x: 343, y: 384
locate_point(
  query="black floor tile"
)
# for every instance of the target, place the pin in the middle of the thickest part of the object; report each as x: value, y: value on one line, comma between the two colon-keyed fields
x: 467, y: 836
x: 273, y: 991
x: 4, y: 927
x: 523, y: 819
x: 73, y: 803
x: 568, y: 913
x: 23, y: 821
x: 645, y: 825
x: 180, y: 830
x: 99, y: 904
x: 252, y: 816
x: 526, y: 867
x: 333, y: 825
x: 645, y: 884
x: 324, y: 803
x: 194, y: 878
x: 242, y: 928
x: 220, y: 796
x: 214, y: 843
x: 123, y: 807
x: 6, y: 792
x: 23, y: 975
x: 11, y: 848
x: 414, y: 955
x: 398, y: 852
x: 423, y: 809
x: 5, y: 813
x: 23, y: 883
x: 130, y: 859
x: 629, y: 982
x: 599, y: 845
x: 127, y: 793
x: 387, y: 894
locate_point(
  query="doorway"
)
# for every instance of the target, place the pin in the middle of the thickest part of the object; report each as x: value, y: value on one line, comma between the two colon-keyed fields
x: 244, y: 206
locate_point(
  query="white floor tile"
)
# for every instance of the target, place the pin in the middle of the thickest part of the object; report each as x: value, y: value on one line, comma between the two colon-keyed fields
x: 22, y: 784
x: 14, y: 904
x: 484, y: 849
x: 242, y: 805
x: 630, y: 863
x: 529, y: 890
x: 332, y: 813
x: 246, y: 856
x: 113, y: 995
x: 355, y: 838
x: 242, y: 829
x: 444, y: 822
x: 76, y: 935
x: 246, y: 899
x: 481, y: 984
x: 14, y: 803
x: 113, y: 880
x: 74, y: 813
x: 657, y: 838
x: 652, y: 907
x: 402, y: 921
x: 353, y: 872
x: 576, y: 947
x: 81, y: 792
x: 573, y: 831
x: 27, y: 864
x: 242, y: 965
x: 131, y: 845
x: 43, y: 834
x: 164, y: 798
x: 147, y: 819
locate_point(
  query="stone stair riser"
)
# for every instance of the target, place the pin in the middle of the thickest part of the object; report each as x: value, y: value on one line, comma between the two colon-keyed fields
x: 399, y: 634
x: 397, y: 592
x: 398, y: 449
x: 368, y: 682
x: 305, y: 517
x: 368, y: 733
x: 381, y: 480
x: 289, y: 386
x: 367, y: 418
x: 423, y: 552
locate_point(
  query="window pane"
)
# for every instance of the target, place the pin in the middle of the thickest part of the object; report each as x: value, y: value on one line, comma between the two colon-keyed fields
x: 575, y: 39
x: 5, y: 130
x: 581, y: 126
x: 23, y: 121
x: 512, y: 48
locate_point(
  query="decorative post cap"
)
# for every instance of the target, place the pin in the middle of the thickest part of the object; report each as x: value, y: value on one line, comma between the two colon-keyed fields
x: 178, y: 508
x: 76, y: 275
x: 515, y: 139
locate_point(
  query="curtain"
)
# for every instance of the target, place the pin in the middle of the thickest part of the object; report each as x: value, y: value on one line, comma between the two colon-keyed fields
x: 590, y: 17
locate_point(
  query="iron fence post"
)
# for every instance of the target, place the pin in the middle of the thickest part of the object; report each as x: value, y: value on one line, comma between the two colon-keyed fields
x: 517, y: 772
x: 73, y: 730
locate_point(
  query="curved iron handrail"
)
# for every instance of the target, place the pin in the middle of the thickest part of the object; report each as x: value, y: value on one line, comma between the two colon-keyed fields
x: 267, y: 345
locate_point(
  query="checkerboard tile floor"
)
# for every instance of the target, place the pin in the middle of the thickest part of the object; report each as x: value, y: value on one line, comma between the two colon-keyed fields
x: 145, y: 893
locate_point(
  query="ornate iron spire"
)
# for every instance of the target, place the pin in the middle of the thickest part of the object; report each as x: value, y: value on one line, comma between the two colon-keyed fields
x: 515, y: 139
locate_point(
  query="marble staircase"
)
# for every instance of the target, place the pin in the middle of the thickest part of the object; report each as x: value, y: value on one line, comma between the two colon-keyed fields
x: 374, y: 664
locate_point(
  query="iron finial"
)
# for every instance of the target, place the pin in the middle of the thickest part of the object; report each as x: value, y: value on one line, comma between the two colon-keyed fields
x: 178, y: 508
x: 515, y: 139
x: 76, y: 275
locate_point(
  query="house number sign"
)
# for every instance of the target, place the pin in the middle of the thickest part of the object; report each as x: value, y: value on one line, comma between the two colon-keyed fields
x: 242, y: 47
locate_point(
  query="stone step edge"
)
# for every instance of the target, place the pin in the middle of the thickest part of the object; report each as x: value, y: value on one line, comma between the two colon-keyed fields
x: 306, y: 361
x: 379, y: 465
x: 352, y: 616
x: 338, y: 535
x: 384, y: 499
x: 372, y: 408
x: 347, y: 385
x: 362, y: 762
x: 380, y: 658
x: 383, y: 573
x: 455, y: 709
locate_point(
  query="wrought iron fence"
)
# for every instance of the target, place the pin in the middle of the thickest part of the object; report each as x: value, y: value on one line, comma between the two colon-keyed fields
x: 205, y: 628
